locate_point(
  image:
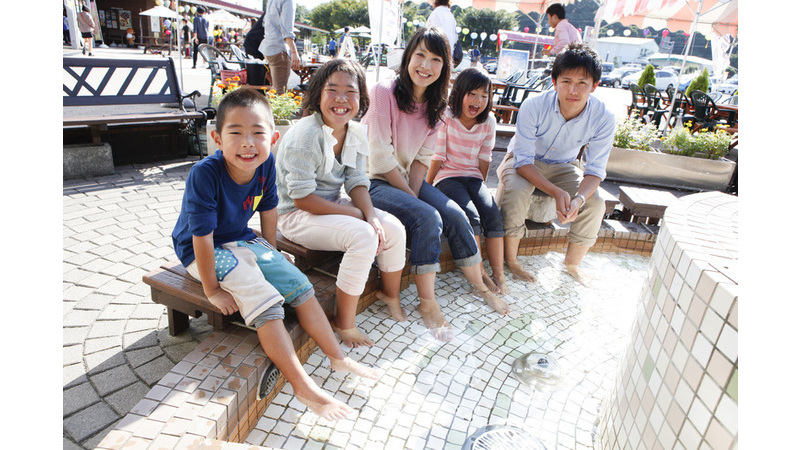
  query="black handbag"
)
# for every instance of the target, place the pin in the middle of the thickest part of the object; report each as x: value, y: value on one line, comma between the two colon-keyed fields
x: 458, y: 54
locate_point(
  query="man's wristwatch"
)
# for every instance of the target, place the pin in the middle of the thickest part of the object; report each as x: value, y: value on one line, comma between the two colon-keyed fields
x: 583, y: 199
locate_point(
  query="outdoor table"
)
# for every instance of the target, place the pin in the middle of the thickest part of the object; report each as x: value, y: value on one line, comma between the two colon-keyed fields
x: 730, y: 113
x: 155, y: 45
x: 306, y: 70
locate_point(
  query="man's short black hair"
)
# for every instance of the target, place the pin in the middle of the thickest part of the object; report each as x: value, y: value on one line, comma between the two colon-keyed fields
x: 556, y: 9
x: 578, y: 55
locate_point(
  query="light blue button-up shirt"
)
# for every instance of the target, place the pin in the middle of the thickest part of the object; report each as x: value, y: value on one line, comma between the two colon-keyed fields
x: 278, y: 25
x: 544, y: 135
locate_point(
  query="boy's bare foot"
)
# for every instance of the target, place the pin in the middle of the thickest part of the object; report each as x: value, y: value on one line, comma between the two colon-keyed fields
x: 350, y: 366
x: 500, y: 282
x: 323, y: 404
x: 353, y: 337
x: 492, y: 300
x: 519, y: 273
x: 395, y: 308
x: 434, y: 320
x: 579, y: 275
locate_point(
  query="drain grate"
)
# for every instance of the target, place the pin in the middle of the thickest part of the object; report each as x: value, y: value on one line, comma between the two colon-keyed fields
x: 268, y: 381
x: 497, y: 437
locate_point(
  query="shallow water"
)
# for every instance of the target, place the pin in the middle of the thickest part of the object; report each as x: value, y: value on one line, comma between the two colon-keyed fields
x: 436, y: 395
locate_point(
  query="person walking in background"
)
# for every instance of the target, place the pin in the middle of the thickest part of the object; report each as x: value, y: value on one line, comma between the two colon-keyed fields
x: 442, y: 17
x: 86, y: 26
x: 565, y: 33
x: 186, y: 33
x: 475, y: 56
x: 67, y: 40
x: 347, y: 49
x: 199, y: 33
x: 332, y: 47
x: 278, y: 44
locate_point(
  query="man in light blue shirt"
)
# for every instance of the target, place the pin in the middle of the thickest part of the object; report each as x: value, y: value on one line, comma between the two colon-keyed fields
x: 554, y: 131
x: 278, y: 45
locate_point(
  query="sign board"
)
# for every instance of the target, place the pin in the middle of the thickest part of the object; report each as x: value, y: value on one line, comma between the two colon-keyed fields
x: 511, y: 61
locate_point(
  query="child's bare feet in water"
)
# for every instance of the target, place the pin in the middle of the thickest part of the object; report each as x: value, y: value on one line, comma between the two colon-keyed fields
x: 495, y: 302
x: 519, y: 273
x: 323, y: 404
x: 434, y: 320
x: 395, y: 308
x: 489, y: 282
x: 499, y: 280
x: 348, y: 365
x: 353, y: 337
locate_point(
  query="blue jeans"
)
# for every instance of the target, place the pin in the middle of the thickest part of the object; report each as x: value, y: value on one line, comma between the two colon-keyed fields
x: 472, y: 195
x: 426, y: 218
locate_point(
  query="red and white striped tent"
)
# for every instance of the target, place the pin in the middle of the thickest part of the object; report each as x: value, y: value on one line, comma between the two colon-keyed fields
x: 714, y: 17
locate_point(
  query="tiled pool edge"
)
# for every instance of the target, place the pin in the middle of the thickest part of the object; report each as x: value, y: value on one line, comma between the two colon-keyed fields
x: 209, y: 397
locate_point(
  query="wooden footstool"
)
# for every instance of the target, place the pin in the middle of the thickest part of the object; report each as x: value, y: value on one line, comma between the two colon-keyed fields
x: 644, y: 205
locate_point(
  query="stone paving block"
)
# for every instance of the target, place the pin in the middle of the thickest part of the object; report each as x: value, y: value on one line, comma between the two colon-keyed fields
x: 89, y: 421
x: 113, y: 379
x: 154, y: 370
x: 79, y: 397
x: 126, y: 398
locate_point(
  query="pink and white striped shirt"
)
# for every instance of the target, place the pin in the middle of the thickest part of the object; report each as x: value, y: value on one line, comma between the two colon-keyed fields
x: 461, y: 149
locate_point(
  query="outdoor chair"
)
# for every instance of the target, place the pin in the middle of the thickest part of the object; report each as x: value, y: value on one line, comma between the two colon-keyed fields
x: 705, y: 111
x: 216, y: 63
x: 653, y: 100
x: 238, y: 54
x: 678, y: 110
x: 638, y: 102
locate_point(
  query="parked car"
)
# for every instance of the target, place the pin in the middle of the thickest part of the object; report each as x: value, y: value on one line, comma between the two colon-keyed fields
x: 729, y: 86
x: 664, y: 79
x: 491, y: 67
x: 614, y: 78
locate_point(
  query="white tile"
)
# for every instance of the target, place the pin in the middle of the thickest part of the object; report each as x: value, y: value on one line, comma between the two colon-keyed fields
x: 728, y: 343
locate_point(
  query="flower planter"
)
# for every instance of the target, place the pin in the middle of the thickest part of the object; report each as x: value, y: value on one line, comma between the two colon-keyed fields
x: 666, y: 170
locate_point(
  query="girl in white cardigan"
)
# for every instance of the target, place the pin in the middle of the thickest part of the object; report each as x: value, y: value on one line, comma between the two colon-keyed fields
x: 320, y: 155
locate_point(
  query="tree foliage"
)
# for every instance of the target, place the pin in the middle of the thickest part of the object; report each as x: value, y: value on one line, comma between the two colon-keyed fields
x: 338, y: 14
x: 700, y: 83
x: 648, y: 76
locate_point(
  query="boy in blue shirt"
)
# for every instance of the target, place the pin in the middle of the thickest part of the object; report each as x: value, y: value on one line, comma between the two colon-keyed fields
x: 240, y: 271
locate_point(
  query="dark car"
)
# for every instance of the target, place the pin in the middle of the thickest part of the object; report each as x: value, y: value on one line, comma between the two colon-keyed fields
x: 614, y: 78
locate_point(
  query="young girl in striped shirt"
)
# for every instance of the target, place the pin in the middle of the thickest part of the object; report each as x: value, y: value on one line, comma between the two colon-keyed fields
x: 461, y: 160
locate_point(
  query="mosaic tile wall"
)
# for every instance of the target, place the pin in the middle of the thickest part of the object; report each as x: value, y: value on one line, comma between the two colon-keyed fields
x: 677, y: 385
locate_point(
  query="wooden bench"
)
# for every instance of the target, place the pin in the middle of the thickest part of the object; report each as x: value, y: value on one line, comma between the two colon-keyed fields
x: 96, y: 89
x: 642, y: 205
x: 171, y: 286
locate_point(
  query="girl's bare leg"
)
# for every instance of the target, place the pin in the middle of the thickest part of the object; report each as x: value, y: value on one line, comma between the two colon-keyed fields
x: 494, y: 249
x: 429, y: 308
x: 487, y: 280
x: 344, y: 324
x: 390, y: 294
x: 473, y: 274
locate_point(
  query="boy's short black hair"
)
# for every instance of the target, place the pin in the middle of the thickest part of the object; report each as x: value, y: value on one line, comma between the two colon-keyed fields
x: 313, y: 95
x: 556, y: 9
x: 244, y: 97
x: 468, y: 80
x: 201, y: 10
x: 578, y: 55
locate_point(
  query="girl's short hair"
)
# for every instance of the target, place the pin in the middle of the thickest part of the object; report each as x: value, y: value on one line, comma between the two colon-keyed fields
x: 436, y: 94
x: 467, y: 81
x: 313, y: 95
x: 244, y: 97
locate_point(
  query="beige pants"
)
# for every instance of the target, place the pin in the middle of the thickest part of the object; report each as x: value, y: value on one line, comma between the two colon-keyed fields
x: 514, y: 198
x: 355, y: 237
x: 279, y: 68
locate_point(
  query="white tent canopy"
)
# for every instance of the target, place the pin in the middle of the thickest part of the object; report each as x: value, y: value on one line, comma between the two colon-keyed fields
x: 160, y: 11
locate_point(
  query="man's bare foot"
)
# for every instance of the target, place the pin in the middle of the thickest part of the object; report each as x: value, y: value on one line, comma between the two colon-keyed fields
x: 350, y: 366
x: 323, y: 404
x: 579, y: 275
x: 353, y: 337
x: 500, y: 282
x: 519, y: 273
x: 395, y: 308
x: 434, y: 320
x: 492, y: 300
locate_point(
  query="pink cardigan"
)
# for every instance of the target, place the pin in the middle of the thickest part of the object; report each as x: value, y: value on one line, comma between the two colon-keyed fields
x: 396, y: 139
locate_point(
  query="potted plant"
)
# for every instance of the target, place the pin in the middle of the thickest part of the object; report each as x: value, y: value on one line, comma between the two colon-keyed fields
x: 285, y: 108
x: 648, y: 76
x: 700, y: 83
x: 682, y: 159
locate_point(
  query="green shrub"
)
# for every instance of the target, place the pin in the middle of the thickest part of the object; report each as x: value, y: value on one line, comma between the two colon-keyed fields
x: 699, y: 84
x: 702, y: 144
x: 634, y: 134
x: 648, y: 76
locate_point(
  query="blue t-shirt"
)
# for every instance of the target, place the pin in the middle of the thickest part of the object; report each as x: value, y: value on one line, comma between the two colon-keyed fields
x: 212, y: 201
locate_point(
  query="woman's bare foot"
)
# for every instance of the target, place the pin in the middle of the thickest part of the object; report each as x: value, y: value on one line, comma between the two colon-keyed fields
x: 353, y: 337
x: 519, y: 273
x: 492, y: 300
x: 350, y: 366
x: 434, y: 320
x: 395, y: 308
x: 499, y: 280
x: 579, y: 275
x: 323, y: 404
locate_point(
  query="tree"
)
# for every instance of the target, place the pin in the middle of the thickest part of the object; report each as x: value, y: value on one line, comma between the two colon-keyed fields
x: 484, y: 20
x: 700, y: 83
x: 338, y: 14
